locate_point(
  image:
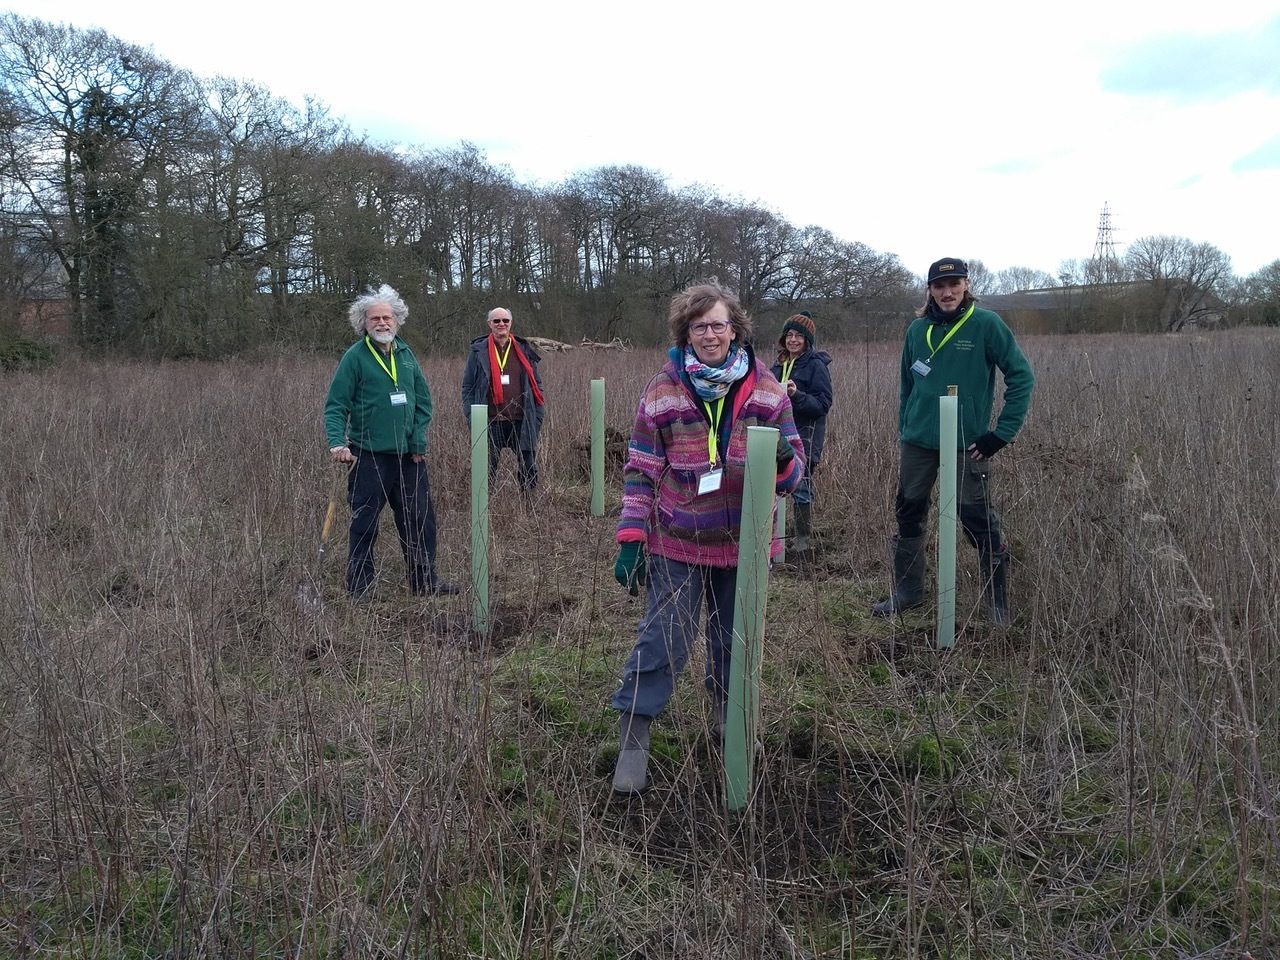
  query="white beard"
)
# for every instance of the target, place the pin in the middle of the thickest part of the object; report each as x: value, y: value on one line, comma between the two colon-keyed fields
x: 383, y: 337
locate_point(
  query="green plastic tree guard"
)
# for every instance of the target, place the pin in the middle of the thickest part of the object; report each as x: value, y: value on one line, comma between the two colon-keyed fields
x: 597, y: 448
x: 947, y: 453
x: 748, y: 614
x: 480, y: 518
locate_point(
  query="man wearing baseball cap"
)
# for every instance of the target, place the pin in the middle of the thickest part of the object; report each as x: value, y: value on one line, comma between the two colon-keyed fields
x: 954, y: 342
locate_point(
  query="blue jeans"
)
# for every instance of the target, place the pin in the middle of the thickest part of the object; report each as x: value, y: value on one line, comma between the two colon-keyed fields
x: 379, y: 479
x: 668, y: 630
x: 803, y: 492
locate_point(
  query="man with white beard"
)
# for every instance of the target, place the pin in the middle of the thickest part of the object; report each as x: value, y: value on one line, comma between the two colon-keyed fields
x: 376, y: 417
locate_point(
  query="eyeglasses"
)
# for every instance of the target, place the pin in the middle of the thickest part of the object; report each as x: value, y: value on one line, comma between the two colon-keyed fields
x: 500, y: 320
x: 716, y: 326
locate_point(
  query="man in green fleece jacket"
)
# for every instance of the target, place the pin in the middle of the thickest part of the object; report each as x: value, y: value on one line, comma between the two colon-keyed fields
x: 953, y: 341
x: 376, y: 417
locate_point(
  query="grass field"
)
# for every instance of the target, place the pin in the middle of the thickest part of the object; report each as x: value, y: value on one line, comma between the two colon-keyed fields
x: 193, y: 766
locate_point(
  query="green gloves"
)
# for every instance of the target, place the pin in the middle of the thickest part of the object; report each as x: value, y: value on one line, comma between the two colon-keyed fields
x: 629, y: 570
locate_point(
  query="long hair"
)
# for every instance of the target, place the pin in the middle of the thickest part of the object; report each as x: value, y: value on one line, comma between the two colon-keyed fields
x: 802, y: 324
x: 383, y: 294
x: 967, y: 299
x: 691, y: 303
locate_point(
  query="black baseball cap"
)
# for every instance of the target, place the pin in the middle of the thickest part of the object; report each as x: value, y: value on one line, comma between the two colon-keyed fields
x: 947, y: 267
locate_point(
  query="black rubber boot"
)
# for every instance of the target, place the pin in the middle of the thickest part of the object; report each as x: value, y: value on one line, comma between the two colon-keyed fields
x: 719, y: 718
x: 631, y: 775
x: 995, y: 592
x: 908, y: 578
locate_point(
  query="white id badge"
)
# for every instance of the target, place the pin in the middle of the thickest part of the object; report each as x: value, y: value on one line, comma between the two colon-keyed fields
x: 399, y: 398
x: 506, y: 379
x: 709, y: 482
x: 921, y: 368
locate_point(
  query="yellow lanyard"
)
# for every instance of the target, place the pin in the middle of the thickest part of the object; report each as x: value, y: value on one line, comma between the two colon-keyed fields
x: 715, y: 428
x: 391, y: 372
x: 502, y: 360
x: 787, y: 367
x: 928, y: 333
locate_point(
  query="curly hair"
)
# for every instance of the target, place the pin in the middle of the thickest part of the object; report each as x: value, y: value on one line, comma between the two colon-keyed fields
x: 356, y: 313
x: 688, y: 305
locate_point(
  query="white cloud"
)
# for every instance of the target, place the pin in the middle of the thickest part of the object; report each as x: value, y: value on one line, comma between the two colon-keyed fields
x: 912, y: 129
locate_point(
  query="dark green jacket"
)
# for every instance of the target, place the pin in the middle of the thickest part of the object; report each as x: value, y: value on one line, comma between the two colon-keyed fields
x: 969, y: 361
x: 358, y: 411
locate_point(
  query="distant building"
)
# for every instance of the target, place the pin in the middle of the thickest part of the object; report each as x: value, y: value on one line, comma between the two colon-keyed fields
x: 33, y: 285
x: 45, y: 319
x: 1129, y: 306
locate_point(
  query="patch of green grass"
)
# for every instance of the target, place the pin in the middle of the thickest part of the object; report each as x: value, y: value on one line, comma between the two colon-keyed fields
x: 935, y: 756
x: 1096, y: 738
x: 1090, y: 799
x: 1157, y: 939
x: 22, y: 353
x: 879, y: 674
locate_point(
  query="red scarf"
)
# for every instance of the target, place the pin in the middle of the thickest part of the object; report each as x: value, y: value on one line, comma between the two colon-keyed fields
x: 495, y: 371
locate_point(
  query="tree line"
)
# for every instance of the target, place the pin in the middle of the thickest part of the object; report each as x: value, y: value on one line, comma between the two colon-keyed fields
x: 187, y: 216
x: 190, y: 216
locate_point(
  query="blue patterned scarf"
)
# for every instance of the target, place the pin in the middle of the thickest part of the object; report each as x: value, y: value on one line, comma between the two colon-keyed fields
x: 712, y: 383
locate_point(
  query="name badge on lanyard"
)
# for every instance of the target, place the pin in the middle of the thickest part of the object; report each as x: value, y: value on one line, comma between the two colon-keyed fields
x: 506, y: 379
x: 712, y: 479
x: 399, y: 398
x: 921, y: 368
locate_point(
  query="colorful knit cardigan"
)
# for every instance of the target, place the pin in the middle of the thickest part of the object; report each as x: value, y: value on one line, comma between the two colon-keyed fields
x: 668, y: 453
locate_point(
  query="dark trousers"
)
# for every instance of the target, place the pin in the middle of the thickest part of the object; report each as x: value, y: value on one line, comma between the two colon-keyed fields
x: 916, y: 477
x: 505, y: 434
x: 668, y: 630
x: 389, y: 478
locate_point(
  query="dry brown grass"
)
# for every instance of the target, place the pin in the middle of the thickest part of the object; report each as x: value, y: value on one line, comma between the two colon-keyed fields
x: 193, y: 767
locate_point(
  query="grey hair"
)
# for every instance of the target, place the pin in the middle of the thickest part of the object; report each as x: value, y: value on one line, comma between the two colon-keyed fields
x: 356, y: 313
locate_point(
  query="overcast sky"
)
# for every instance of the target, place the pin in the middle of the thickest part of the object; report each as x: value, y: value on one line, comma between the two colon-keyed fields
x: 990, y: 130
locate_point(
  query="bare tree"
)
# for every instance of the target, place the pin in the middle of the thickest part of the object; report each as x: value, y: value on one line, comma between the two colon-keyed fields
x: 91, y: 117
x: 758, y: 244
x: 1013, y: 279
x: 182, y: 213
x: 981, y: 280
x: 1261, y: 295
x: 813, y: 267
x: 1186, y: 279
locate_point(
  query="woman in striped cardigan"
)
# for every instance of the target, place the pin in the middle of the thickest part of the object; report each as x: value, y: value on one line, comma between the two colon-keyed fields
x: 682, y: 507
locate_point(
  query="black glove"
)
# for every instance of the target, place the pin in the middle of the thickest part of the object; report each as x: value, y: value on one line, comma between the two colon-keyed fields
x: 989, y: 445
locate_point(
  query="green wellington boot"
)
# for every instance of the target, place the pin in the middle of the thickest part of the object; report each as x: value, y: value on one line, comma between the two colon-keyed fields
x: 802, y: 518
x: 908, y: 578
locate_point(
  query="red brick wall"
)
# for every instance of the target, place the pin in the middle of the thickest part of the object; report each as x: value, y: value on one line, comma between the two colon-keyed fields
x: 45, y: 319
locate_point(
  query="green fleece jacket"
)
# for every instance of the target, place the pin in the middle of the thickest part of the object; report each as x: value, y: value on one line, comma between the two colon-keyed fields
x: 969, y: 361
x: 359, y: 411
